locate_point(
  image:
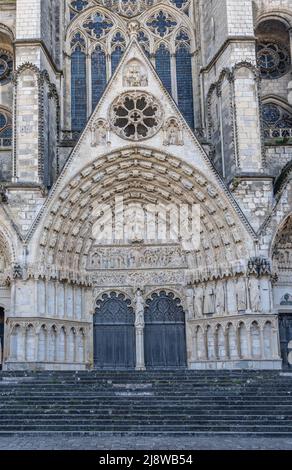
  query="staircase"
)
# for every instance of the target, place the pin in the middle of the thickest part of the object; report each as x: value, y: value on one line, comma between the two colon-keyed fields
x: 153, y: 402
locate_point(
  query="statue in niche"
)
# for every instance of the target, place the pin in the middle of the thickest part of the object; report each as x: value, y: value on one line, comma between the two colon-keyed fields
x: 254, y: 294
x: 139, y: 305
x: 173, y: 134
x: 2, y: 263
x: 209, y: 304
x: 190, y: 303
x: 220, y: 298
x: 134, y: 75
x: 241, y: 294
x: 100, y: 133
x: 199, y: 301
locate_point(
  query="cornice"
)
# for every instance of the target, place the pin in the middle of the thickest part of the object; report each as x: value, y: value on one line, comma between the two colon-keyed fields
x: 224, y: 46
x: 39, y: 43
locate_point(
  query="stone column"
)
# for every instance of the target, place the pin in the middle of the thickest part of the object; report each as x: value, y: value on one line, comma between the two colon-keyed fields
x: 226, y: 345
x: 139, y: 304
x: 140, y: 361
x: 262, y: 346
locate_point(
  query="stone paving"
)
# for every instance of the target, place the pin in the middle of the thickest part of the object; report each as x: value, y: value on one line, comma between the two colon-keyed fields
x: 63, y: 442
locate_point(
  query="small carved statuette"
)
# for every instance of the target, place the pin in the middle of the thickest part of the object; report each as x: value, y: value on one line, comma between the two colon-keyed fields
x: 135, y: 75
x: 100, y: 133
x: 173, y: 133
x: 139, y: 304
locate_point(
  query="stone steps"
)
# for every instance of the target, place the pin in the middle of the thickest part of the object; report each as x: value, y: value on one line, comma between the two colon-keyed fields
x: 169, y: 402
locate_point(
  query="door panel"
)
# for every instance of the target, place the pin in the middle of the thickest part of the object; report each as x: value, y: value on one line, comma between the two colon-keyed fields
x: 1, y: 334
x: 114, y: 333
x: 285, y: 329
x: 165, y: 341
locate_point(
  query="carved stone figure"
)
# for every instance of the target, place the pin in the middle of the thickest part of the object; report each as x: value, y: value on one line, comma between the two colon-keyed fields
x: 209, y: 301
x: 199, y: 301
x: 135, y: 75
x: 139, y: 304
x: 173, y: 134
x: 241, y: 294
x: 190, y: 302
x: 100, y: 133
x: 220, y: 298
x: 254, y: 294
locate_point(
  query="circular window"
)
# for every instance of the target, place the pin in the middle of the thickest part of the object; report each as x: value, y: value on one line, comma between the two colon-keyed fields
x: 136, y: 116
x: 6, y: 66
x: 273, y: 59
x: 271, y: 113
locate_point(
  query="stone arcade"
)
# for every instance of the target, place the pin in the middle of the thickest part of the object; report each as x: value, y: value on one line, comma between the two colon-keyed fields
x: 161, y: 104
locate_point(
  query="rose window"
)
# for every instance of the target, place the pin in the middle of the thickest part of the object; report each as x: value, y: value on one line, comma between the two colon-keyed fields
x: 273, y: 59
x: 6, y: 66
x: 136, y: 116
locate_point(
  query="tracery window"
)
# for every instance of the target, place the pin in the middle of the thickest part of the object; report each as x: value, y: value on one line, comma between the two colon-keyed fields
x: 78, y: 83
x: 118, y: 46
x: 98, y: 74
x: 277, y: 121
x: 184, y: 77
x: 5, y: 129
x: 163, y: 66
x: 6, y: 66
x: 127, y: 8
x: 273, y: 59
x: 99, y: 42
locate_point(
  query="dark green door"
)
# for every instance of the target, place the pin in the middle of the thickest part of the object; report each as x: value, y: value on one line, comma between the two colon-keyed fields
x: 165, y: 337
x: 285, y: 329
x: 1, y: 332
x: 114, y: 333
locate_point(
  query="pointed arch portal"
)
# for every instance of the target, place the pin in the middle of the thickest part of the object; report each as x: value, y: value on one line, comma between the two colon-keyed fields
x: 114, y: 333
x: 165, y: 336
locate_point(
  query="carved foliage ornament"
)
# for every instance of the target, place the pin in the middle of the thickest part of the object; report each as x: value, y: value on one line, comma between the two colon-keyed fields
x: 136, y: 116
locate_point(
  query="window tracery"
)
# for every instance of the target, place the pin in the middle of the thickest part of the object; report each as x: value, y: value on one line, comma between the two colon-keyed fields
x: 5, y: 129
x: 100, y: 40
x: 161, y: 23
x: 273, y: 59
x: 277, y: 121
x: 136, y: 116
x: 127, y: 8
x: 6, y: 66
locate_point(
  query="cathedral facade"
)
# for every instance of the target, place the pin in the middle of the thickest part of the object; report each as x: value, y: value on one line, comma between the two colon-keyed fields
x: 146, y: 184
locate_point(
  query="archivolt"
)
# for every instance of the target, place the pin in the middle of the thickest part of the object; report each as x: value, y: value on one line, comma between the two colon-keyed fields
x: 143, y: 176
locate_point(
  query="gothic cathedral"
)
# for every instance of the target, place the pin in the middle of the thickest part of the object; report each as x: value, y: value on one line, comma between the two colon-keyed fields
x: 145, y: 184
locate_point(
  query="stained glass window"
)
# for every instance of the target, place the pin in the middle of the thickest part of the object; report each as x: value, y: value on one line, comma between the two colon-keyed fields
x: 162, y: 23
x: 78, y: 84
x: 118, y: 46
x: 98, y: 74
x: 273, y: 59
x: 98, y: 25
x: 143, y: 40
x: 277, y: 121
x: 6, y: 66
x: 184, y: 77
x: 5, y: 130
x: 163, y: 67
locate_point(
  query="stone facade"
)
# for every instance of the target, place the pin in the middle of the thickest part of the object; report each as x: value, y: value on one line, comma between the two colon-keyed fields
x: 156, y: 109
